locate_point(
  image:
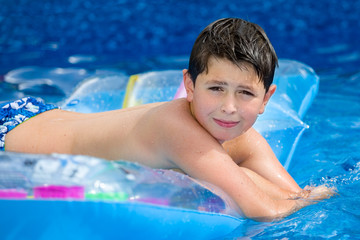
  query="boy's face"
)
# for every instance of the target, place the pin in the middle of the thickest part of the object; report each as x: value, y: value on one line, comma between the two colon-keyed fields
x: 226, y: 100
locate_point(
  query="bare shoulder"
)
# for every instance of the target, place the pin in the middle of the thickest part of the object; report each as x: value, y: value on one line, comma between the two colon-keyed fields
x: 249, y: 137
x: 183, y: 139
x: 249, y: 143
x: 176, y: 117
x: 177, y: 112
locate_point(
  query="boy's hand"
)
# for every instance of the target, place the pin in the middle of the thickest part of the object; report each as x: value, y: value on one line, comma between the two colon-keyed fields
x: 311, y: 195
x: 320, y: 192
x: 304, y: 193
x: 314, y: 193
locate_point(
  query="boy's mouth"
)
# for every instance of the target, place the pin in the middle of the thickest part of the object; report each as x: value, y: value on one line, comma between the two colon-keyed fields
x: 225, y: 124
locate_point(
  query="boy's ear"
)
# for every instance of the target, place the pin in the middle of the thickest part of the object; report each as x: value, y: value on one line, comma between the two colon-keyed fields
x: 267, y: 97
x: 189, y: 85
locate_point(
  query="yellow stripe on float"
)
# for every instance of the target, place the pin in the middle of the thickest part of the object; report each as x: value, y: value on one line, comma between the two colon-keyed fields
x: 129, y: 89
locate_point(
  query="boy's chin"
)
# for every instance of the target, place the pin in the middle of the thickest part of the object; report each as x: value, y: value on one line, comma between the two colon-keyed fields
x: 228, y: 138
x: 222, y: 140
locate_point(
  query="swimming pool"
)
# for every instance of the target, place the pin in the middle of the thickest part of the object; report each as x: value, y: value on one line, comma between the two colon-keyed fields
x: 139, y: 36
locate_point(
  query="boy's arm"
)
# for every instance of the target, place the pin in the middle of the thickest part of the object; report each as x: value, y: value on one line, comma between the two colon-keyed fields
x: 195, y: 152
x: 188, y: 146
x: 252, y: 151
x: 253, y: 195
x: 256, y: 197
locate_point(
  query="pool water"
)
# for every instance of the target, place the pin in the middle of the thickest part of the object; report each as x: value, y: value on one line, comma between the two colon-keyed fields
x: 137, y: 36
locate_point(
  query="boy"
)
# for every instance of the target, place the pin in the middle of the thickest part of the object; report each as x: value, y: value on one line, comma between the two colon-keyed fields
x: 208, y: 135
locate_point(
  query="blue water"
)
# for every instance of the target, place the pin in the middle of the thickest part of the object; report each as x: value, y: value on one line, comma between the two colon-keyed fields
x: 136, y: 36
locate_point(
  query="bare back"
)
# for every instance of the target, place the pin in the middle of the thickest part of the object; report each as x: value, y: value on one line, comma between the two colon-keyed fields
x: 140, y: 134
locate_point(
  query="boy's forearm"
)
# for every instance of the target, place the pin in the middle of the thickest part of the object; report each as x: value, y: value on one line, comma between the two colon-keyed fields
x: 258, y: 198
x: 252, y: 151
x: 272, y: 190
x: 279, y: 209
x: 281, y: 203
x: 275, y: 202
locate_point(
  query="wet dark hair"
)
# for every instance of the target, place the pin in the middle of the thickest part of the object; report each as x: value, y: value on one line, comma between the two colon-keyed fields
x: 236, y: 40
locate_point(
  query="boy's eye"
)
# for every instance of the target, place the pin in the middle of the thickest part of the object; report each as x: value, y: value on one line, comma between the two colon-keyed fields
x: 216, y: 89
x: 246, y: 93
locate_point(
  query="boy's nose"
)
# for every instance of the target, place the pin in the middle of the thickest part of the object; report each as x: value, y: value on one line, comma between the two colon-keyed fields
x: 229, y: 106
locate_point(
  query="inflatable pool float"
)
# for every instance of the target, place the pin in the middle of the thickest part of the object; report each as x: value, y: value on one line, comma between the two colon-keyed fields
x: 79, y: 197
